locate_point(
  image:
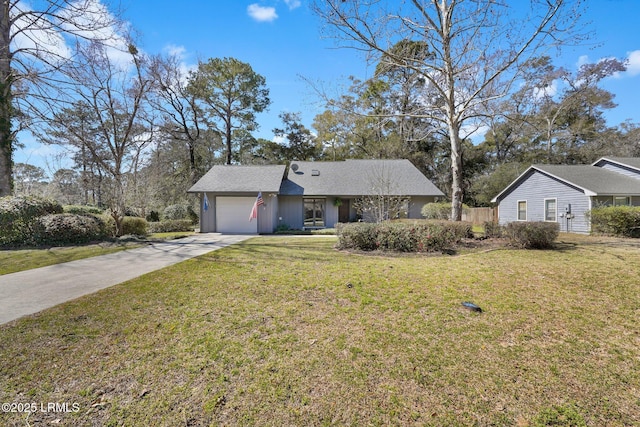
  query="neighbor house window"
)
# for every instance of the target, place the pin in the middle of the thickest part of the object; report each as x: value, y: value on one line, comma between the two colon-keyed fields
x: 621, y: 201
x: 522, y: 210
x: 314, y: 212
x: 550, y: 210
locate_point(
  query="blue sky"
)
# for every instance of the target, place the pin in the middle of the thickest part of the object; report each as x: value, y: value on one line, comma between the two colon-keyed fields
x: 281, y: 40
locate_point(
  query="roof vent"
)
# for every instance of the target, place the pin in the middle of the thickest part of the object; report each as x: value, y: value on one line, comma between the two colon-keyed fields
x: 294, y: 167
x: 315, y: 172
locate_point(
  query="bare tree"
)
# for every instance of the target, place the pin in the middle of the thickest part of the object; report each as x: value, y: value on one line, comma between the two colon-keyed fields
x: 181, y: 116
x: 35, y: 42
x: 384, y: 201
x: 475, y: 50
x: 115, y: 106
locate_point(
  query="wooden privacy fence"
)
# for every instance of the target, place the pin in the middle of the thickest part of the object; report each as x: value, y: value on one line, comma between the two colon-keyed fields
x: 480, y: 215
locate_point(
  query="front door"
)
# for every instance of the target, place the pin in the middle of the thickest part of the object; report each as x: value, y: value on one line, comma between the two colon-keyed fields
x: 343, y: 211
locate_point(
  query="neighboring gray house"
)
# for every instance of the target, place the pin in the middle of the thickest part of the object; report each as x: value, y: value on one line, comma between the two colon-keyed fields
x: 564, y: 193
x: 306, y: 195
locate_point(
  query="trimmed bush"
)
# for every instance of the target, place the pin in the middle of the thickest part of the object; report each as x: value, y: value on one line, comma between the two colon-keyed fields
x: 532, y: 235
x: 18, y: 218
x: 66, y: 228
x: 492, y: 230
x: 422, y: 236
x: 134, y: 225
x: 153, y: 216
x: 438, y: 210
x: 616, y: 220
x: 83, y: 210
x: 358, y: 235
x: 171, y: 226
x: 172, y: 212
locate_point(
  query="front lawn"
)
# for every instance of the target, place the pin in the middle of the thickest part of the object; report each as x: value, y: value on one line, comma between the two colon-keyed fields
x: 287, y: 331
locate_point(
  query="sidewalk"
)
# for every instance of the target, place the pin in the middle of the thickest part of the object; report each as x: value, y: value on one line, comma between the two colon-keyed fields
x: 31, y: 291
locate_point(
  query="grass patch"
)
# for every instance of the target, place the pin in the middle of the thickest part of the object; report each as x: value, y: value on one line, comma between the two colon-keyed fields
x: 12, y: 261
x: 287, y: 331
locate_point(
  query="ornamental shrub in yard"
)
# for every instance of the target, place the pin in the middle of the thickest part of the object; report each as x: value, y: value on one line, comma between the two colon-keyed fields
x: 532, y: 235
x: 616, y: 220
x: 66, y: 228
x: 403, y: 236
x: 18, y: 218
x: 170, y: 226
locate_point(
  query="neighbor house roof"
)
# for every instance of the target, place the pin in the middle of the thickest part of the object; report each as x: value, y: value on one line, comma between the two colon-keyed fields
x: 357, y: 178
x: 594, y: 181
x: 630, y: 162
x: 240, y: 179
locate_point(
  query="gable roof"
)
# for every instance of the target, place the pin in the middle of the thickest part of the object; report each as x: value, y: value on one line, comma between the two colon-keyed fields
x: 342, y: 178
x: 240, y: 179
x: 593, y: 181
x: 630, y: 162
x: 357, y: 178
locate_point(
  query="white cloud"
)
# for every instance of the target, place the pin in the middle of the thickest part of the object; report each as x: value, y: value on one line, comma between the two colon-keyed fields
x: 583, y: 59
x: 261, y: 13
x: 293, y: 4
x: 633, y: 64
x: 547, y: 91
x: 174, y: 50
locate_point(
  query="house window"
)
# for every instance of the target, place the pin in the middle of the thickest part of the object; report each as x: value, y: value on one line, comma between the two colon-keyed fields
x: 314, y: 212
x: 522, y: 210
x: 621, y: 201
x: 550, y: 210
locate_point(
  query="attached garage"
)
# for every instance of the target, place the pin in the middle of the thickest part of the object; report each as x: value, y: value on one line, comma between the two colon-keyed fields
x: 232, y: 215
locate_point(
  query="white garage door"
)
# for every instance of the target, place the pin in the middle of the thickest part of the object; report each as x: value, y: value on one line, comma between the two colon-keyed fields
x: 232, y: 215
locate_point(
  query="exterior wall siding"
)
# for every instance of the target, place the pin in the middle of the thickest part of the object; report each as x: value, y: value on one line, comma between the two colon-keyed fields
x: 416, y: 204
x: 208, y: 217
x: 534, y: 189
x: 291, y: 211
x: 267, y: 214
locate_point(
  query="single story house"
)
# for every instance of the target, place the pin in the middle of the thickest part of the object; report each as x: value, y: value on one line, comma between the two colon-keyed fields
x: 565, y: 193
x: 303, y: 195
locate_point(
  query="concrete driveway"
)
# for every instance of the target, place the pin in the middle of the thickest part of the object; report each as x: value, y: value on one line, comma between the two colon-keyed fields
x: 31, y: 291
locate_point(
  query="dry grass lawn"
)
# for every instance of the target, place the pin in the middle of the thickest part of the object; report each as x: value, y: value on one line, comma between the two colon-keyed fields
x: 286, y: 331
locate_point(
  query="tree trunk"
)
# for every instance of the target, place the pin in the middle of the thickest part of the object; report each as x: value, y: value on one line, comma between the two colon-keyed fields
x: 456, y: 173
x: 6, y: 103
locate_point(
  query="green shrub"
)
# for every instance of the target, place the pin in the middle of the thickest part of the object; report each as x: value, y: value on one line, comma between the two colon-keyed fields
x: 134, y: 225
x: 439, y: 210
x: 403, y: 236
x: 175, y: 212
x: 153, y: 216
x: 83, y: 210
x: 66, y: 228
x: 358, y: 235
x: 18, y: 218
x: 492, y: 229
x: 532, y: 235
x: 616, y: 220
x: 170, y: 226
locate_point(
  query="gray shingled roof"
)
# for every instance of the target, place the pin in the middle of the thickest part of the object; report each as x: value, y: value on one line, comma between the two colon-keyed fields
x: 240, y: 179
x: 357, y: 178
x: 596, y: 181
x: 633, y: 162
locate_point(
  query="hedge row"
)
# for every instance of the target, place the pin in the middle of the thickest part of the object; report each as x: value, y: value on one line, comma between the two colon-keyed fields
x: 66, y: 228
x: 170, y: 226
x: 616, y: 220
x: 18, y: 218
x: 422, y: 236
